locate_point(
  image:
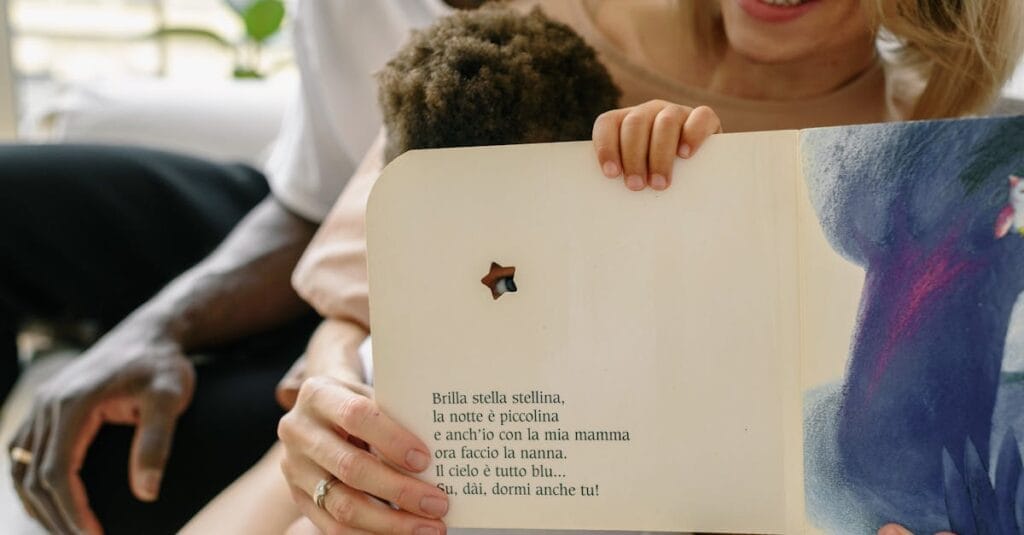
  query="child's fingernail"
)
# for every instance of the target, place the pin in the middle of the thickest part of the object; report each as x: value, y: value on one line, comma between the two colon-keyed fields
x: 610, y: 169
x: 635, y: 182
x: 658, y: 182
x: 684, y: 150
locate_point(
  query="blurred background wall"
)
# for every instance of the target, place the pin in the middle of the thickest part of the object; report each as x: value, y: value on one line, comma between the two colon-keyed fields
x: 7, y: 105
x: 208, y: 77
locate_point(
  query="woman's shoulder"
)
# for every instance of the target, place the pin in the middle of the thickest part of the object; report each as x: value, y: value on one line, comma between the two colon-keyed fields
x: 559, y: 10
x: 1007, y: 106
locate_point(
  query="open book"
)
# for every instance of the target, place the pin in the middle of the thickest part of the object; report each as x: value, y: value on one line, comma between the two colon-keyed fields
x: 809, y: 331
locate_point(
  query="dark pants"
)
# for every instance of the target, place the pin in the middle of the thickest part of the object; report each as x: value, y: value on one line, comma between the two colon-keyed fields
x: 91, y: 233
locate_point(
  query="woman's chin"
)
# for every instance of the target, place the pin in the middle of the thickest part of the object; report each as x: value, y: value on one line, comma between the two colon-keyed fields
x: 756, y: 49
x: 780, y: 31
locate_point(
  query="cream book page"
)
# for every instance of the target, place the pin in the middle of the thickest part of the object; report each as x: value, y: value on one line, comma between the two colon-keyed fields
x: 644, y: 374
x: 830, y: 290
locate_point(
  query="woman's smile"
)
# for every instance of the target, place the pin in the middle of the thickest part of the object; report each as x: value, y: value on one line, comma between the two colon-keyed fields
x: 777, y: 10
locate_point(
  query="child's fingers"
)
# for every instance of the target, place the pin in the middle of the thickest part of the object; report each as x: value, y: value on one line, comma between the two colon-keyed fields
x: 665, y: 134
x: 701, y: 123
x: 640, y: 143
x: 606, y: 141
x: 634, y: 140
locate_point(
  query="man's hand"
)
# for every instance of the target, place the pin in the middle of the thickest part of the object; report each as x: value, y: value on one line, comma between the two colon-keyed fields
x: 138, y: 374
x: 121, y: 380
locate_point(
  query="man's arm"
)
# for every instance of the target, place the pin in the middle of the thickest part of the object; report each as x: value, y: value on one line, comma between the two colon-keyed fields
x: 243, y: 287
x: 139, y: 374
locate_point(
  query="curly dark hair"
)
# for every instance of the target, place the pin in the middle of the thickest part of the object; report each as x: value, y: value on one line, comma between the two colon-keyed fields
x: 492, y: 77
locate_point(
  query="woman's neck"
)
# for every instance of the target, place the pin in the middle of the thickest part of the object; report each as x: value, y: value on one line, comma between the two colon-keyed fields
x: 649, y: 33
x: 736, y: 75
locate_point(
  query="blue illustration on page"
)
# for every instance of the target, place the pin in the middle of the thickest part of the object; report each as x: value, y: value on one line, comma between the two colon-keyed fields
x: 925, y: 428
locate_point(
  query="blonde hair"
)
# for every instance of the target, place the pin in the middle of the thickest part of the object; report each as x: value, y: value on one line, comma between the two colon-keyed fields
x: 963, y: 51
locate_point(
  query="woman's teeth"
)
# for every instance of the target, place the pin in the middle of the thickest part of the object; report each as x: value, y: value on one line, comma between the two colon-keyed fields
x: 784, y: 3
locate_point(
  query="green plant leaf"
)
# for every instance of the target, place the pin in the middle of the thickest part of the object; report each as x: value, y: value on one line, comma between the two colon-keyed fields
x: 263, y: 19
x: 243, y: 73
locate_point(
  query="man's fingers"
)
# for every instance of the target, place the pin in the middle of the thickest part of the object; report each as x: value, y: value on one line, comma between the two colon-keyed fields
x: 23, y: 441
x: 365, y: 472
x: 34, y: 482
x: 356, y: 509
x: 665, y: 135
x: 359, y: 416
x: 69, y: 498
x: 154, y: 434
x: 701, y: 124
x: 72, y: 430
x: 606, y: 141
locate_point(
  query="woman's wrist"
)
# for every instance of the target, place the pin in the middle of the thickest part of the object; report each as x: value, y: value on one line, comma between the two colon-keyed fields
x: 334, y: 351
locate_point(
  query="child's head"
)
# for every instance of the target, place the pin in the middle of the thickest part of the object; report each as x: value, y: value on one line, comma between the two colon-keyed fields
x: 492, y: 77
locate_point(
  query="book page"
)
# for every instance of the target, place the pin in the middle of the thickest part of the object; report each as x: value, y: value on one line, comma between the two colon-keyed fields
x: 830, y: 290
x: 643, y: 375
x: 911, y: 253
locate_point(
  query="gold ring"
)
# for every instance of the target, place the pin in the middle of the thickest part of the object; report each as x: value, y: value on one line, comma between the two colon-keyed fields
x: 320, y: 494
x: 21, y: 455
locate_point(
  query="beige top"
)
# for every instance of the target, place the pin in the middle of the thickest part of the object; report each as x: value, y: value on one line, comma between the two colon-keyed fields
x: 860, y: 100
x: 332, y: 274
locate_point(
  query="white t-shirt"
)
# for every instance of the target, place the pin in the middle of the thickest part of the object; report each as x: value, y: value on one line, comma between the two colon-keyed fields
x: 339, y: 45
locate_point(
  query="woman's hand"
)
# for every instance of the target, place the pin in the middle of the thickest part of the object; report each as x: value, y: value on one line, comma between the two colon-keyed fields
x: 335, y: 430
x: 303, y: 526
x: 641, y: 143
x: 331, y: 432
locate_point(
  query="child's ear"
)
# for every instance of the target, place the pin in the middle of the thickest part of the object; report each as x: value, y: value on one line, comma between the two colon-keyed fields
x: 1014, y: 180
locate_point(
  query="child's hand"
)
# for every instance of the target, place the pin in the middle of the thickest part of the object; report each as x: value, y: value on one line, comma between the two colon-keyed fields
x: 641, y: 143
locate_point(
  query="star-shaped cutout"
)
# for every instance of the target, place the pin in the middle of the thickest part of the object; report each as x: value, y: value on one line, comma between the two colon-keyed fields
x: 500, y: 280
